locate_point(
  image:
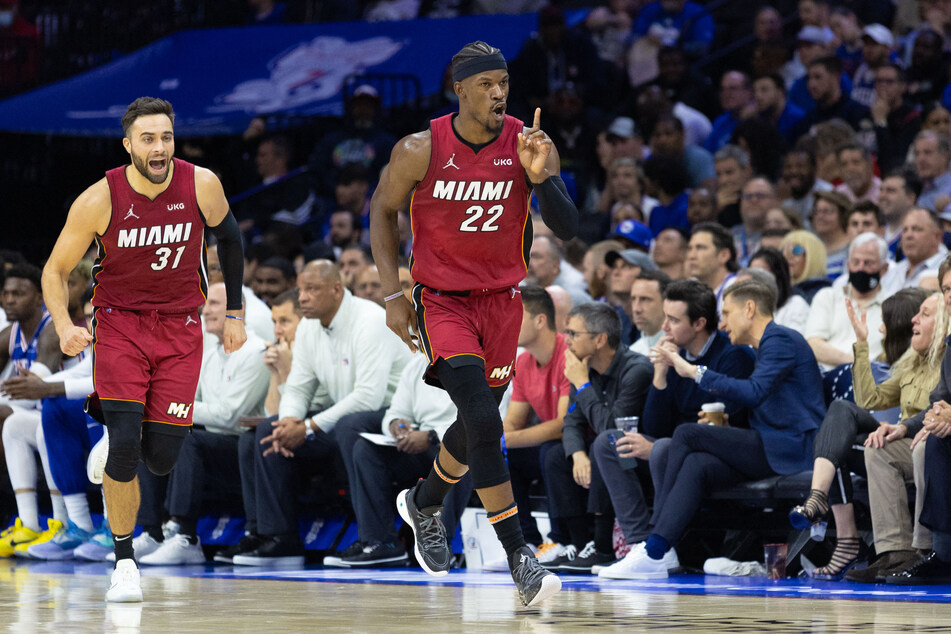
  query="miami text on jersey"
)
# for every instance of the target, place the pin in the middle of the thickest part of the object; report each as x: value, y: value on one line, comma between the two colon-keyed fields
x: 157, y: 234
x: 472, y: 190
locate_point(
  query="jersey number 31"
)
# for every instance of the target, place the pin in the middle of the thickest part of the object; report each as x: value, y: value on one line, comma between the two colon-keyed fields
x: 164, y: 253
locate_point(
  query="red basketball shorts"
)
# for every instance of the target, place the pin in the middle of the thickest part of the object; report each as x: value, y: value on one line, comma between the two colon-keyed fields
x: 148, y: 357
x: 482, y: 327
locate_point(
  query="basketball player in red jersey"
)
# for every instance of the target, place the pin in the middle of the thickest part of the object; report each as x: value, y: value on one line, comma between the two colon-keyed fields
x: 470, y: 176
x: 148, y: 220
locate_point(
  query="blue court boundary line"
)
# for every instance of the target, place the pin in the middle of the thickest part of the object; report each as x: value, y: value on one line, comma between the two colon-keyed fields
x: 732, y: 586
x: 690, y: 585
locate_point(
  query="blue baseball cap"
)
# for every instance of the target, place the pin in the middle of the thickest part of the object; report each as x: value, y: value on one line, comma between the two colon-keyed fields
x: 636, y: 232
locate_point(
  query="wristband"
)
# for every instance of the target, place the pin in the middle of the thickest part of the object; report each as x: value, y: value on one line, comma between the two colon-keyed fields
x: 504, y: 448
x: 233, y: 317
x: 393, y: 296
x: 588, y: 384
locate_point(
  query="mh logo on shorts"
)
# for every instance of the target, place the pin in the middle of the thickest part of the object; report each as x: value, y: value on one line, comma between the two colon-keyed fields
x: 501, y: 373
x: 179, y: 410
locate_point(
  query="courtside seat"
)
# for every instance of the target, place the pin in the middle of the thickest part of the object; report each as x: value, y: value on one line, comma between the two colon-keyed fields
x: 786, y: 487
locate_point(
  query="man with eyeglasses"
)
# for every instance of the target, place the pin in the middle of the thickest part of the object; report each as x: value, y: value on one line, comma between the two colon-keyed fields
x: 758, y: 197
x: 896, y: 121
x: 608, y: 381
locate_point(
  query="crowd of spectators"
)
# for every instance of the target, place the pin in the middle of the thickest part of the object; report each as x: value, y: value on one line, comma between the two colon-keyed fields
x: 772, y: 239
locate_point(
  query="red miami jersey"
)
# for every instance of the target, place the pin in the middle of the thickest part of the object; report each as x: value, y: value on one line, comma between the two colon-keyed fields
x: 151, y: 256
x: 470, y: 213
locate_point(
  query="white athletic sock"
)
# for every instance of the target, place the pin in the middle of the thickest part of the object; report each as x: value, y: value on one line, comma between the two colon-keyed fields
x: 78, y: 510
x: 59, y: 508
x: 26, y: 508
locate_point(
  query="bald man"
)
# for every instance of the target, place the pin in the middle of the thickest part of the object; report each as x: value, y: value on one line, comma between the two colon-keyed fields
x: 563, y: 306
x: 547, y: 267
x: 344, y: 351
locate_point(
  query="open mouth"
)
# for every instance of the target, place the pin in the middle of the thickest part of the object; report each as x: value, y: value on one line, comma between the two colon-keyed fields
x: 498, y: 111
x: 157, y: 166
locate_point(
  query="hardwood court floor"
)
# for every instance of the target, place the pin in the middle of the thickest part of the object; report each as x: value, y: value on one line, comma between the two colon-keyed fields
x: 42, y: 597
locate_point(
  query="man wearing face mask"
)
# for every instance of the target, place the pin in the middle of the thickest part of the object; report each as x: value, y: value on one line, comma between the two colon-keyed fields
x: 829, y: 330
x: 21, y: 46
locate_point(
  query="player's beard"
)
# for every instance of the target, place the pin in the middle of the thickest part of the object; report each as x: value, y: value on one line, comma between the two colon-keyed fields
x: 492, y: 126
x: 143, y: 167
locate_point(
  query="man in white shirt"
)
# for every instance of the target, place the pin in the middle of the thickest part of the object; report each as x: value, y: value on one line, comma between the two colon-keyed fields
x: 924, y: 251
x: 828, y: 329
x: 416, y: 420
x: 230, y: 386
x: 286, y: 315
x: 647, y: 309
x: 257, y: 315
x: 343, y: 347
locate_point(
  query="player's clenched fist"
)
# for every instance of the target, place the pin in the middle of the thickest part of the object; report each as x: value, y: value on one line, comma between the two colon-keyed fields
x: 74, y: 340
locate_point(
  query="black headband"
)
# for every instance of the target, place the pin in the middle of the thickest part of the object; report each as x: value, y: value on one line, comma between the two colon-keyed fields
x: 469, y: 67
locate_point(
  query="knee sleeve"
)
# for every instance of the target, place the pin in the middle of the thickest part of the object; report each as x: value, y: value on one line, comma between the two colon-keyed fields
x: 479, y: 413
x: 454, y: 441
x: 160, y: 450
x: 125, y: 444
x: 483, y: 441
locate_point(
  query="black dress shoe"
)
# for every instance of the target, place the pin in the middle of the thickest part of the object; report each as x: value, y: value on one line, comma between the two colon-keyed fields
x: 892, y: 562
x: 929, y: 571
x: 246, y: 545
x: 275, y: 550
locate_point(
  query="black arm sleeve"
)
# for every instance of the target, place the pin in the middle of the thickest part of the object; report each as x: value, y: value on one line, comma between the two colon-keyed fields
x: 557, y: 210
x: 231, y: 255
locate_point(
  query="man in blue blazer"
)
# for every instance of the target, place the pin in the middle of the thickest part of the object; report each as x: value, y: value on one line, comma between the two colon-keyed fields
x: 784, y: 397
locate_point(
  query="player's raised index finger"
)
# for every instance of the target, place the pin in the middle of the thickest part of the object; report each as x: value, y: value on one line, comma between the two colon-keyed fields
x: 538, y: 119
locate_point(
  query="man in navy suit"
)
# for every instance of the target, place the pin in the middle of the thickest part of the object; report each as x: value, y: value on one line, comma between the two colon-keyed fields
x: 784, y: 397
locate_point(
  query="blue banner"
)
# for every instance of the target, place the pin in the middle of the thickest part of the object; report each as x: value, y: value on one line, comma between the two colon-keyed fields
x: 219, y: 79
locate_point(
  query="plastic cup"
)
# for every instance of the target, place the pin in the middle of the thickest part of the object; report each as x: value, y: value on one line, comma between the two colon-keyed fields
x: 627, y: 423
x: 714, y: 412
x: 775, y: 556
